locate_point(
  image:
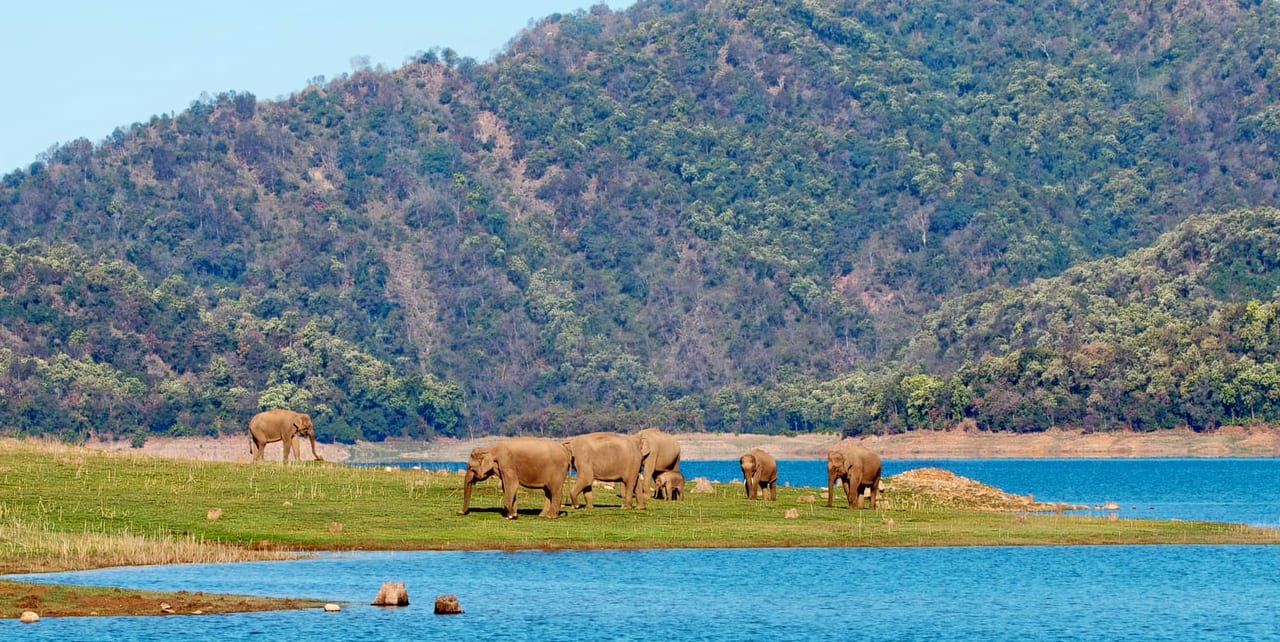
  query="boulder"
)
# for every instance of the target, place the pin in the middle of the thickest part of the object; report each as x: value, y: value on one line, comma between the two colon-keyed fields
x: 702, y: 485
x: 792, y: 514
x: 392, y: 594
x: 447, y: 605
x: 29, y: 616
x: 332, y: 608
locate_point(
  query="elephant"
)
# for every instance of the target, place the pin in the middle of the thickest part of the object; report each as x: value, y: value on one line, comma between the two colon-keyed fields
x: 669, y: 485
x: 284, y: 426
x: 531, y: 462
x: 664, y: 455
x: 759, y: 472
x: 608, y: 456
x: 858, y: 469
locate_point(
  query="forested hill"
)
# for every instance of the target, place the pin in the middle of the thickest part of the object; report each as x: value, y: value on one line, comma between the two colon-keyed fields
x: 704, y: 214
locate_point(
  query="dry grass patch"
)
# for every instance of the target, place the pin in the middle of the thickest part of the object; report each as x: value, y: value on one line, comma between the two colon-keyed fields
x: 939, y: 488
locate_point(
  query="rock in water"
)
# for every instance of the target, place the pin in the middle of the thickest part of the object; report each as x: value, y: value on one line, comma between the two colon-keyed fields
x: 392, y: 594
x: 29, y: 616
x: 447, y: 605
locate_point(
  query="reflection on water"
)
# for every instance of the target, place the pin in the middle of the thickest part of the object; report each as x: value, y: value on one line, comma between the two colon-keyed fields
x: 1075, y: 593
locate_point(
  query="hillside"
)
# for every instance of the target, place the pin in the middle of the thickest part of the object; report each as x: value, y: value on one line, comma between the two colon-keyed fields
x: 705, y: 214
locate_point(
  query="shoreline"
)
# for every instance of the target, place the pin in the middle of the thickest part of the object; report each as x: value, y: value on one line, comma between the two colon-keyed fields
x: 1228, y: 441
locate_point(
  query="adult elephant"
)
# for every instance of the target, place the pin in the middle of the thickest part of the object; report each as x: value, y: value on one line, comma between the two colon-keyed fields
x: 669, y: 485
x: 529, y: 462
x: 664, y: 456
x: 608, y: 456
x: 759, y: 473
x: 284, y: 426
x: 857, y: 468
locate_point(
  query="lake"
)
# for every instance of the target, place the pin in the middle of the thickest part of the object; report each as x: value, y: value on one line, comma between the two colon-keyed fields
x: 979, y: 593
x: 1243, y: 491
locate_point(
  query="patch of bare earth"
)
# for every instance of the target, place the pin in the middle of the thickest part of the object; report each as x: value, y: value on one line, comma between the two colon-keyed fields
x: 1228, y: 441
x: 945, y: 489
x: 53, y: 600
x: 230, y: 448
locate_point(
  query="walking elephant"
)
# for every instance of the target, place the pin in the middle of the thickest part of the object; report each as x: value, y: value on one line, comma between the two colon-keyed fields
x: 664, y: 455
x: 669, y: 485
x: 608, y: 456
x: 284, y: 426
x: 857, y: 468
x: 531, y: 462
x: 759, y: 473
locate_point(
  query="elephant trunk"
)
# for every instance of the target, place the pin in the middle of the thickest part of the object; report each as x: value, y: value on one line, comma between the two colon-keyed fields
x: 831, y: 486
x: 468, y: 482
x: 312, y: 437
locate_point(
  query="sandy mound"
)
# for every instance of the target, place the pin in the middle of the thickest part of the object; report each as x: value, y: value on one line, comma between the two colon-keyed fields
x: 944, y: 489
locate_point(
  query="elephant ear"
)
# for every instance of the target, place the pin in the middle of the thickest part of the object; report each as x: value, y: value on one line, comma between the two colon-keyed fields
x: 645, y: 448
x: 837, y: 461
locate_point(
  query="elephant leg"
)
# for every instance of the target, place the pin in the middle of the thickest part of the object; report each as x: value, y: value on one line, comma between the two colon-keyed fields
x: 849, y: 493
x: 581, y: 487
x: 875, y: 487
x: 509, y: 497
x: 773, y: 491
x: 632, y: 494
x: 546, y: 503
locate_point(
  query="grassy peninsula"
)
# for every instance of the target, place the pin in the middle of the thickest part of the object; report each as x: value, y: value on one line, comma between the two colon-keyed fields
x: 65, y: 507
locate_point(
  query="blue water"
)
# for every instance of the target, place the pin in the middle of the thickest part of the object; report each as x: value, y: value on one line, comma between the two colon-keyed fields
x: 981, y: 593
x: 997, y: 593
x: 1245, y: 491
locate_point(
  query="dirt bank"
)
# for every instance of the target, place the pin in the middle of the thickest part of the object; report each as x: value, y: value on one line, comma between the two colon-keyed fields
x: 954, y: 444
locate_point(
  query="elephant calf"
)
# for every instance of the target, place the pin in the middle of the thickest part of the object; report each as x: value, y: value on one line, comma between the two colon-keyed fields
x: 669, y: 485
x: 663, y: 455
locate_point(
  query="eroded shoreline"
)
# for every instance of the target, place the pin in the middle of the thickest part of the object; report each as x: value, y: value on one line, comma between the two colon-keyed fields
x: 1231, y: 441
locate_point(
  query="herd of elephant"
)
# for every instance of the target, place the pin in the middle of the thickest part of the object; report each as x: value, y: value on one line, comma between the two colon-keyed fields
x: 636, y: 460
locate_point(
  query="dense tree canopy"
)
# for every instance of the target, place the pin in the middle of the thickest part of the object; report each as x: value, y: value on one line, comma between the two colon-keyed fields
x: 787, y: 215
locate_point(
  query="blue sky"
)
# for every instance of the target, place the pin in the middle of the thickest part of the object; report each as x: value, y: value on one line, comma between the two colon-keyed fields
x: 81, y: 68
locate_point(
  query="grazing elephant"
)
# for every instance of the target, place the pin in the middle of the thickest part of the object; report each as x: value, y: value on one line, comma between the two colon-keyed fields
x: 664, y: 455
x: 531, y: 462
x: 759, y: 472
x: 669, y: 485
x: 608, y: 456
x: 284, y: 426
x: 857, y: 467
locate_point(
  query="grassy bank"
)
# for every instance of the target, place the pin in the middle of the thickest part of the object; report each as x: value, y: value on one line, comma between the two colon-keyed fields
x: 66, y: 507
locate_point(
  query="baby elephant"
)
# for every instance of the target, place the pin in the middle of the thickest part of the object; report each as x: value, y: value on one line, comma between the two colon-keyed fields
x: 669, y: 485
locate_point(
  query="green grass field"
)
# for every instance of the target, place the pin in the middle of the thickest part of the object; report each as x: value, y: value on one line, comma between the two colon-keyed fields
x: 64, y: 507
